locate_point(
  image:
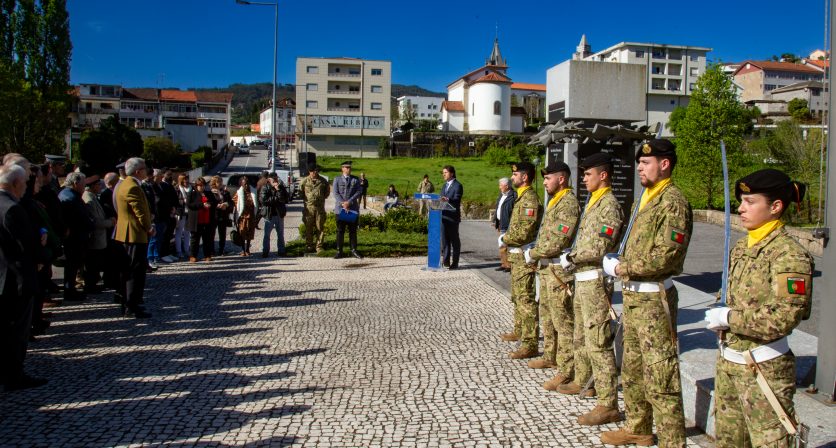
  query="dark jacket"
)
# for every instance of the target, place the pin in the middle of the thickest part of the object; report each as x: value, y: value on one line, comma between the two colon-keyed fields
x: 503, y: 216
x: 49, y: 199
x: 106, y: 199
x: 78, y: 219
x: 166, y: 200
x: 18, y: 277
x: 346, y: 189
x: 195, y: 203
x: 453, y: 193
x: 148, y: 188
x: 271, y: 203
x: 222, y: 216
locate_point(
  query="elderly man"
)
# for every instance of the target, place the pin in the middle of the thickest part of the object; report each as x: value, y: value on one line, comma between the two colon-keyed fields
x: 79, y: 227
x: 94, y: 263
x: 504, y: 206
x: 18, y: 279
x: 347, y: 193
x: 133, y: 228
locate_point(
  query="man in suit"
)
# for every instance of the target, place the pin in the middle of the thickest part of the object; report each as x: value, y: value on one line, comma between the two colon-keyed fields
x: 133, y: 228
x: 18, y: 279
x: 452, y: 194
x: 79, y: 227
x: 347, y: 192
x: 504, y: 206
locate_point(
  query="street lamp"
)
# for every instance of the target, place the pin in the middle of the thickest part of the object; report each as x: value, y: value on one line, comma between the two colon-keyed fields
x: 275, y: 52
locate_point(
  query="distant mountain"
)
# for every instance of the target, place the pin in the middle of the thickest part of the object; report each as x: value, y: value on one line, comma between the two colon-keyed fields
x: 249, y: 100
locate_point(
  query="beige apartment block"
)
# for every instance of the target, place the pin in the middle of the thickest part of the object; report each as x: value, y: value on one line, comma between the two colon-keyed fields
x: 343, y: 105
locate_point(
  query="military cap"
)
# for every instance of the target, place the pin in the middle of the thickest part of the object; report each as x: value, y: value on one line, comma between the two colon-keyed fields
x: 597, y: 159
x: 315, y: 168
x: 555, y: 167
x: 525, y: 167
x: 658, y: 147
x: 346, y: 163
x: 55, y: 158
x: 770, y: 182
x: 273, y: 175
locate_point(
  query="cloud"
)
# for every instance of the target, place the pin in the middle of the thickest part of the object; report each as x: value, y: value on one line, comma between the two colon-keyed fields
x: 96, y: 26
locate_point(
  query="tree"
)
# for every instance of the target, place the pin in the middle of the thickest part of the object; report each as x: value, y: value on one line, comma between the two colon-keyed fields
x: 103, y: 148
x: 35, y: 53
x: 713, y: 114
x: 799, y: 152
x: 408, y: 112
x: 676, y: 118
x: 160, y: 151
x: 797, y: 107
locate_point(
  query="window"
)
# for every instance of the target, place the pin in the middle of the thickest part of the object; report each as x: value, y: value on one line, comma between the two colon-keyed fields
x: 692, y: 86
x: 377, y: 106
x: 695, y: 57
x: 640, y: 53
x: 377, y: 89
x: 673, y: 102
x: 312, y: 104
x: 312, y: 69
x: 429, y: 106
x: 377, y: 72
x: 336, y: 104
x: 422, y: 115
x: 768, y: 87
x: 695, y: 71
x: 497, y: 108
x: 312, y: 87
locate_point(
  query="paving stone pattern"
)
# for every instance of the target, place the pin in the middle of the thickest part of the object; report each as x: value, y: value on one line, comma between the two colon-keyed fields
x: 303, y: 352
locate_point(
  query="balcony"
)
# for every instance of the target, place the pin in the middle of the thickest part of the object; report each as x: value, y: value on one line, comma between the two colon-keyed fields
x: 343, y: 92
x: 178, y: 114
x: 218, y: 131
x: 344, y: 75
x: 212, y: 115
x: 343, y: 109
x: 97, y: 111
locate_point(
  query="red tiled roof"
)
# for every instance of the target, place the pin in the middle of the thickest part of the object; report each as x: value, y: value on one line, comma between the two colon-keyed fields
x: 178, y: 95
x: 528, y: 86
x: 494, y: 77
x: 517, y: 110
x: 488, y: 68
x: 255, y: 127
x: 140, y: 94
x: 452, y: 106
x: 778, y: 66
x: 818, y: 63
x: 213, y: 97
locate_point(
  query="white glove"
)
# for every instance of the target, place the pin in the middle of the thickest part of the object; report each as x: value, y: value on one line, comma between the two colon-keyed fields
x: 501, y: 243
x: 527, y: 255
x: 564, y: 260
x: 611, y: 262
x: 717, y: 318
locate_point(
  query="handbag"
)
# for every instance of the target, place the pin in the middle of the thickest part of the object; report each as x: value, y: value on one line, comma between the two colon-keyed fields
x: 349, y: 216
x: 235, y: 236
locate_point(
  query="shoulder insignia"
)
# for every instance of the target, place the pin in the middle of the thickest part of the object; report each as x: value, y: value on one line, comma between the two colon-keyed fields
x: 677, y: 236
x: 529, y: 212
x: 563, y: 228
x: 796, y: 285
x: 606, y: 231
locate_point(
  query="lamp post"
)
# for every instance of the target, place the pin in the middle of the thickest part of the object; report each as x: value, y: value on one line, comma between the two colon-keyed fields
x: 275, y: 53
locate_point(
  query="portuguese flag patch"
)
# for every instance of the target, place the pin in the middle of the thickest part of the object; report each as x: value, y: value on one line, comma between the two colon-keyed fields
x: 562, y: 228
x: 529, y: 212
x: 607, y: 231
x: 796, y: 285
x: 677, y: 236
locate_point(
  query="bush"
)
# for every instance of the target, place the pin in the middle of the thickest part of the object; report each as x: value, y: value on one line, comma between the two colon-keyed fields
x: 198, y: 159
x: 399, y: 219
x: 160, y: 151
x: 499, y: 155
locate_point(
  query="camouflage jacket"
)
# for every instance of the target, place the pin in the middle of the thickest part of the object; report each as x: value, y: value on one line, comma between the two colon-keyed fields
x: 598, y: 233
x: 770, y: 290
x: 661, y: 233
x: 525, y: 219
x: 558, y: 227
x: 426, y: 187
x: 314, y: 191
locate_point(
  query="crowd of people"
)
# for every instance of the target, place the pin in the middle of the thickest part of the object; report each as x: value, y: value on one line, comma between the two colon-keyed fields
x: 108, y: 233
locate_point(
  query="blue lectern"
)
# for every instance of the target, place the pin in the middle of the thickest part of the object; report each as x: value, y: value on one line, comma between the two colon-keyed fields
x: 435, y: 205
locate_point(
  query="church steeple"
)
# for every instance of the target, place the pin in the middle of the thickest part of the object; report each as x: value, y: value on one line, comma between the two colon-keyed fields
x: 496, y: 58
x: 583, y: 50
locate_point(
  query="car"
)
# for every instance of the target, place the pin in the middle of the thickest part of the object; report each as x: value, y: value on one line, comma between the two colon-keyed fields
x: 243, y: 149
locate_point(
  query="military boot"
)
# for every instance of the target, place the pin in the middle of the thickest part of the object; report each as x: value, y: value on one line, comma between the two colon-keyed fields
x: 574, y: 389
x: 600, y: 415
x: 624, y: 437
x: 541, y: 363
x: 523, y: 353
x: 509, y: 337
x: 556, y: 381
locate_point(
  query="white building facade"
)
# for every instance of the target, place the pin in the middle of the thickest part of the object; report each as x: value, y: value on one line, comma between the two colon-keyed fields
x: 423, y: 107
x: 285, y: 118
x: 343, y: 106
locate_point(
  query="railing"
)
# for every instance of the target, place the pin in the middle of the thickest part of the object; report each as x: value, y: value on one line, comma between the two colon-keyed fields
x: 344, y: 75
x: 215, y: 115
x: 98, y: 111
x: 344, y: 92
x: 178, y: 114
x: 343, y: 109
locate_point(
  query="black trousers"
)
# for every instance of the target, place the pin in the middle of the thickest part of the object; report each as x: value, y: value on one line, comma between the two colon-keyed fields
x: 93, y: 265
x: 115, y: 262
x: 206, y: 233
x: 165, y: 243
x: 133, y: 277
x: 222, y: 238
x: 450, y: 241
x: 352, y: 235
x: 75, y: 254
x: 15, y: 327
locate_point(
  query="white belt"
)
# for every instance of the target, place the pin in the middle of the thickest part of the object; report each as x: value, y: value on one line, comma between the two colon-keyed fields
x: 515, y: 250
x: 645, y: 286
x: 760, y: 354
x: 586, y: 276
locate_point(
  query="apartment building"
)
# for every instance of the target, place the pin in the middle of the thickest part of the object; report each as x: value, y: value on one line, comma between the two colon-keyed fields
x: 671, y: 72
x: 285, y: 118
x: 94, y: 103
x: 423, y: 107
x: 759, y: 78
x: 343, y: 105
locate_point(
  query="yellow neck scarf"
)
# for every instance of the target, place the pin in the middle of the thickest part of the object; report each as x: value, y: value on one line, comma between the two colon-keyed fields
x: 757, y: 235
x: 522, y: 190
x: 553, y: 201
x: 596, y: 195
x: 652, y: 192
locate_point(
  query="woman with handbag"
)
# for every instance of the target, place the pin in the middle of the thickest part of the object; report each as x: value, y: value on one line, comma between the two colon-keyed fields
x: 245, y: 216
x: 181, y: 231
x: 201, y: 221
x: 223, y: 211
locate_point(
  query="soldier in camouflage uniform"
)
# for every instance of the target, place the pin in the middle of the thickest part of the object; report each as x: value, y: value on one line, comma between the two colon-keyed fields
x: 769, y: 293
x: 598, y: 235
x: 314, y: 189
x: 555, y: 235
x: 522, y: 230
x: 654, y: 252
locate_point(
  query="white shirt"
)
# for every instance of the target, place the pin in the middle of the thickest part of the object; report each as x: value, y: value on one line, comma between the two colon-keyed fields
x: 499, y: 206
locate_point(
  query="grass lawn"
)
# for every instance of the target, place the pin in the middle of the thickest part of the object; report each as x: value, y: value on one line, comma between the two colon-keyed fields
x: 370, y: 244
x: 478, y: 178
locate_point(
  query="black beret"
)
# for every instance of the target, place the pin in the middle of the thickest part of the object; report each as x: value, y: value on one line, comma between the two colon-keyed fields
x: 53, y: 158
x: 770, y: 182
x: 314, y: 168
x: 346, y: 163
x: 524, y: 167
x: 597, y: 159
x: 658, y: 147
x: 555, y: 167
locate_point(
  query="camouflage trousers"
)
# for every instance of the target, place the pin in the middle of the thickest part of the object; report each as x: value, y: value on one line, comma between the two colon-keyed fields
x: 593, y: 322
x: 556, y: 320
x: 314, y: 219
x: 650, y: 368
x: 743, y: 417
x: 525, y: 307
